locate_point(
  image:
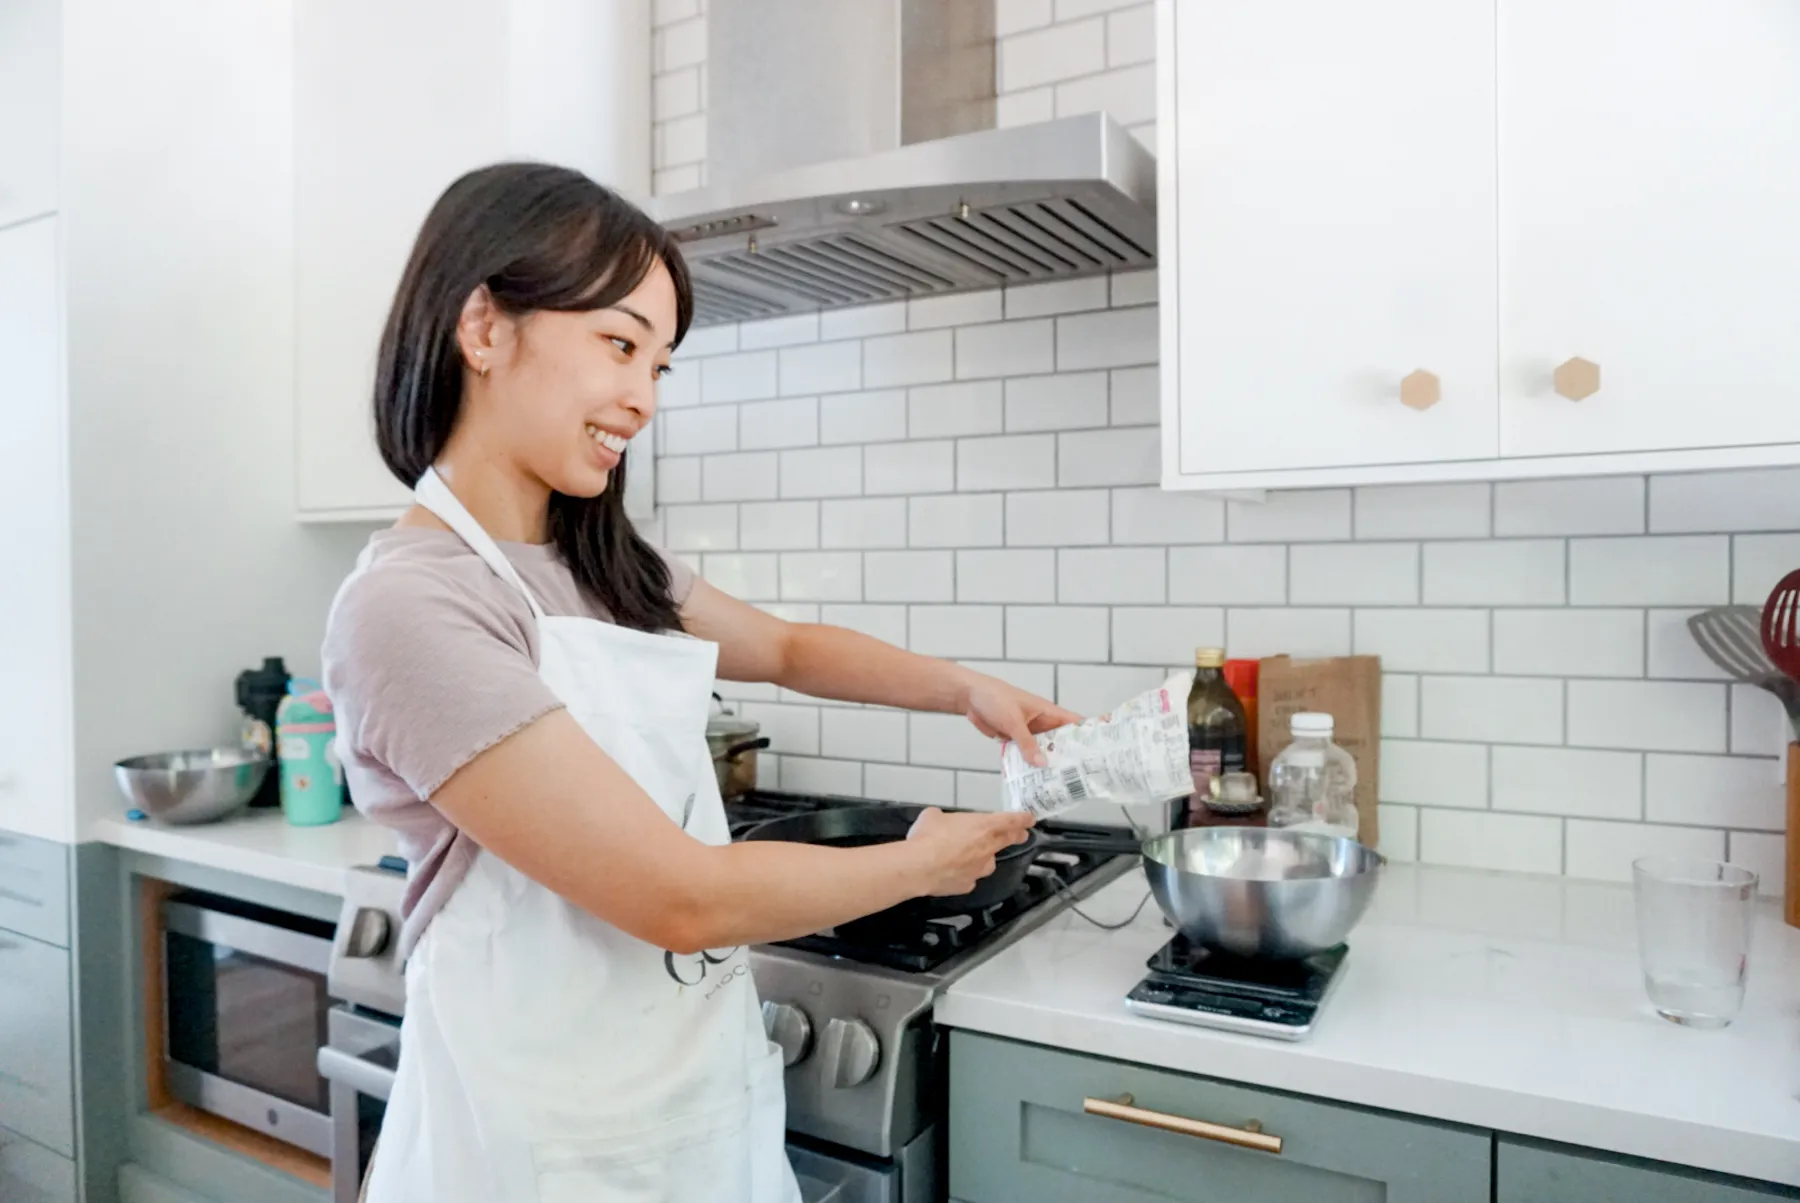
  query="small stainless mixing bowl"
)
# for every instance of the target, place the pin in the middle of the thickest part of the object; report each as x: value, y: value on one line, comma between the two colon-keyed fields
x: 192, y: 787
x: 1260, y: 892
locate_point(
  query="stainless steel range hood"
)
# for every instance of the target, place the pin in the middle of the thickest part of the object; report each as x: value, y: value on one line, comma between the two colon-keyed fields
x: 1054, y: 200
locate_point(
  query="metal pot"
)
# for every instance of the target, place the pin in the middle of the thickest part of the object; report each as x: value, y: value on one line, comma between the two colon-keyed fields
x: 733, y: 742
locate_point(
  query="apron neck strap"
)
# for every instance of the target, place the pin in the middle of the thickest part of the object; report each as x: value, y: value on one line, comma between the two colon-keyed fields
x: 432, y: 493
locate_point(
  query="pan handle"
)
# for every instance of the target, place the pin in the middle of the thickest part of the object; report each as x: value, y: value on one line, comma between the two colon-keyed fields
x: 737, y: 750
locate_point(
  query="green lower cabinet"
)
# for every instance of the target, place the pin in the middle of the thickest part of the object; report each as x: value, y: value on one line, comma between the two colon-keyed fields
x: 1530, y: 1172
x: 30, y: 1173
x: 138, y: 1185
x: 1019, y: 1131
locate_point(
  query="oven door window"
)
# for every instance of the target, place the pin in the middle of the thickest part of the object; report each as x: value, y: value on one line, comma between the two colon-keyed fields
x: 246, y: 1019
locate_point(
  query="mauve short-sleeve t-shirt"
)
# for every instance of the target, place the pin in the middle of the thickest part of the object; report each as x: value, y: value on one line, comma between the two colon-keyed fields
x: 430, y: 659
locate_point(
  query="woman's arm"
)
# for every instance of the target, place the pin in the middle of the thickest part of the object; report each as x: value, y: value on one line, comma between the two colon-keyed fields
x: 831, y: 662
x: 549, y: 802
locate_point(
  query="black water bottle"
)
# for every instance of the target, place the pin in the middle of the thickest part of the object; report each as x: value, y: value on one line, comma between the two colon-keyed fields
x: 259, y: 692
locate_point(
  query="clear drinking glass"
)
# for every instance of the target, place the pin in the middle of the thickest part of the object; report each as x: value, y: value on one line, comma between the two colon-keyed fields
x: 1694, y: 920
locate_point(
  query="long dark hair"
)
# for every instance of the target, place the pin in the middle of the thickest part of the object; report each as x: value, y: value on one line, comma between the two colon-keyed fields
x: 540, y: 238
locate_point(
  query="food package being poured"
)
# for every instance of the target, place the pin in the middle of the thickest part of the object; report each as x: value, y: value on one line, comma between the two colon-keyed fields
x: 1135, y: 756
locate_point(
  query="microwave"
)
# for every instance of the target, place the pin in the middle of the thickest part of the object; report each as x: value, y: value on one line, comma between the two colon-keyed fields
x: 245, y: 1012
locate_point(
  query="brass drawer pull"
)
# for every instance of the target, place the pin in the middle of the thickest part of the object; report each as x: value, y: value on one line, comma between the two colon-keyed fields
x: 1250, y: 1136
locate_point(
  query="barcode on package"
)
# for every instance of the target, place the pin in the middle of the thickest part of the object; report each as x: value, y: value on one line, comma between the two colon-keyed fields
x: 1071, y: 779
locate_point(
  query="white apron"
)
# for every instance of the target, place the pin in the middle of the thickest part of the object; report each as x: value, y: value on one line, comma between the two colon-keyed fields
x: 548, y: 1057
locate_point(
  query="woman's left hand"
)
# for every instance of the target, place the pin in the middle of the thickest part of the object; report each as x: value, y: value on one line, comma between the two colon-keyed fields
x: 1002, y: 711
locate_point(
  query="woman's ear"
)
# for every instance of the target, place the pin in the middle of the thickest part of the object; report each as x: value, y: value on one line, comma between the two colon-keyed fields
x: 483, y: 333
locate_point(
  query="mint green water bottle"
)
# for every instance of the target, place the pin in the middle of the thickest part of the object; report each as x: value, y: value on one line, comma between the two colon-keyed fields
x: 312, y: 780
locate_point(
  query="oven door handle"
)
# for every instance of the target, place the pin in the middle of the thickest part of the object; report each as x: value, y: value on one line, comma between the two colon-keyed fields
x: 336, y: 1065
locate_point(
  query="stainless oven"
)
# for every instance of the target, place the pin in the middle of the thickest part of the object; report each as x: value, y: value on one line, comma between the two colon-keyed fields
x: 244, y: 1012
x: 358, y: 1061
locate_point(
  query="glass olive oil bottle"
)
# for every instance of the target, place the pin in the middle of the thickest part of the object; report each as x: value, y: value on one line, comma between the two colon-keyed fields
x: 1217, y: 730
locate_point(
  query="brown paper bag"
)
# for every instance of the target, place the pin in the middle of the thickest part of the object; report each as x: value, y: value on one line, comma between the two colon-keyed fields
x: 1348, y: 688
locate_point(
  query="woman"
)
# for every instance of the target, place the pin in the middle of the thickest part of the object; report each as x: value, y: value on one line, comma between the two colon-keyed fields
x: 522, y: 686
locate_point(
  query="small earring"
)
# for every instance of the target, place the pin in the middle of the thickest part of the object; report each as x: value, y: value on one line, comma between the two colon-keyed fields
x: 482, y: 356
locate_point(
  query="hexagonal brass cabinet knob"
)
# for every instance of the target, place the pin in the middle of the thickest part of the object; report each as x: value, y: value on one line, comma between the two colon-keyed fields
x: 1420, y: 390
x: 1577, y: 378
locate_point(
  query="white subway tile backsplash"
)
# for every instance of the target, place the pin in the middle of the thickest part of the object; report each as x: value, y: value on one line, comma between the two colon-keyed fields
x: 863, y: 321
x: 1758, y: 564
x: 779, y: 331
x: 1005, y: 349
x: 1353, y: 574
x: 1764, y: 855
x: 1013, y: 575
x: 1057, y: 296
x: 1134, y: 288
x: 1653, y: 716
x: 1569, y: 643
x: 1399, y: 705
x: 968, y: 631
x: 956, y: 520
x: 1422, y: 640
x: 700, y: 527
x: 866, y: 734
x: 675, y: 179
x: 1071, y: 401
x: 1226, y: 575
x: 1715, y: 791
x: 821, y: 368
x: 1569, y: 781
x: 1763, y: 499
x: 746, y: 376
x: 1255, y: 633
x: 1658, y: 570
x: 794, y: 612
x: 1399, y: 832
x: 1117, y: 338
x: 1130, y: 456
x: 1451, y: 511
x: 943, y: 411
x: 705, y: 341
x: 1674, y: 655
x: 1136, y: 396
x: 957, y: 309
x: 765, y: 425
x: 822, y: 472
x: 1759, y: 724
x: 1025, y: 108
x: 807, y: 775
x: 1039, y: 679
x: 900, y: 359
x: 700, y: 431
x: 980, y: 791
x: 1056, y: 633
x: 1119, y: 575
x: 1288, y: 517
x: 667, y: 12
x: 1014, y: 461
x: 681, y: 140
x: 680, y: 44
x: 1604, y: 851
x: 1609, y: 505
x: 1058, y: 518
x: 872, y: 417
x: 1165, y: 636
x: 1497, y: 572
x: 1473, y: 839
x: 951, y: 741
x: 677, y: 480
x: 1046, y: 55
x: 884, y: 622
x: 1512, y: 710
x: 1131, y: 37
x: 746, y: 476
x: 866, y: 522
x: 894, y: 468
x: 1016, y: 16
x: 778, y: 525
x: 749, y: 577
x: 821, y: 576
x: 1434, y: 774
x: 909, y: 576
x: 1069, y: 10
x: 680, y: 389
x: 903, y: 783
x: 1127, y: 94
x: 1153, y: 515
x: 1096, y: 688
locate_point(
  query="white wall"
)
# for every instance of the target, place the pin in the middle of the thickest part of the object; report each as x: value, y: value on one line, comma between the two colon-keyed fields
x: 177, y: 193
x: 974, y: 477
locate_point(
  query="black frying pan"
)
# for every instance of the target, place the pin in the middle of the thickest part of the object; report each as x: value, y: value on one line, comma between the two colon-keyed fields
x: 861, y: 826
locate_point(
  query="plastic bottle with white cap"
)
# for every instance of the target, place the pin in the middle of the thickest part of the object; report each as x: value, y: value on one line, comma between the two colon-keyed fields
x: 1312, y: 782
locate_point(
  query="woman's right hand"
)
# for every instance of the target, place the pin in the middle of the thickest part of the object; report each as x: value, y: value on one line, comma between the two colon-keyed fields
x: 957, y: 850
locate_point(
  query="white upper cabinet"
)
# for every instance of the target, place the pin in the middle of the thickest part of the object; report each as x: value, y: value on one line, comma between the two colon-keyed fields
x: 1331, y: 233
x: 30, y: 86
x: 1650, y: 224
x: 392, y: 102
x: 1413, y: 240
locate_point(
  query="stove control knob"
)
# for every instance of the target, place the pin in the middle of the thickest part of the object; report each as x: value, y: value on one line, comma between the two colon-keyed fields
x: 788, y: 1026
x: 369, y: 933
x: 851, y: 1052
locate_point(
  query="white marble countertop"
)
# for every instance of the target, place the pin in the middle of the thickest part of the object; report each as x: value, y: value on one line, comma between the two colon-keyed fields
x: 1495, y: 1000
x: 261, y: 844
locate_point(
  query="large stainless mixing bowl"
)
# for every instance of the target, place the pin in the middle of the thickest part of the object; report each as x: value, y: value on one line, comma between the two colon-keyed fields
x: 192, y: 787
x: 1258, y: 892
